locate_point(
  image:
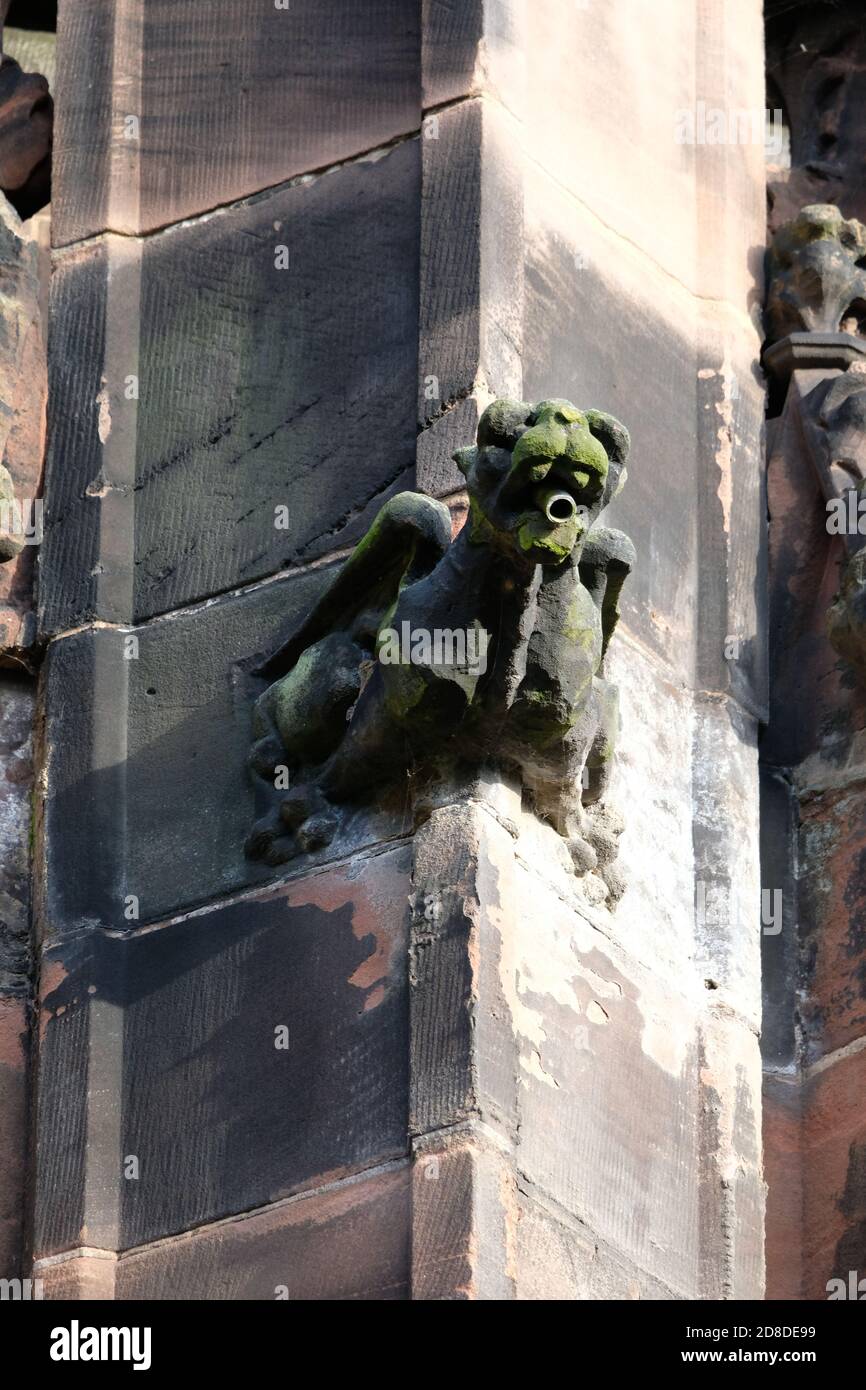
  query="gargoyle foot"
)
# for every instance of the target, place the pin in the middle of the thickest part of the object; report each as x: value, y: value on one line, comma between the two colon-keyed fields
x: 604, y: 825
x: 304, y: 822
x: 317, y: 831
x: 583, y: 855
x: 268, y: 841
x: 309, y: 818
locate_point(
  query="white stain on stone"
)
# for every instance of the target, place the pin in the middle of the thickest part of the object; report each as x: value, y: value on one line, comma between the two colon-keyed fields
x: 666, y: 1036
x: 544, y: 945
x: 104, y: 406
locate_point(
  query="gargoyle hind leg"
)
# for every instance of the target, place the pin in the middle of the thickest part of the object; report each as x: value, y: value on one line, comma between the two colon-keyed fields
x: 402, y: 710
x: 268, y: 839
x: 306, y: 817
x: 568, y: 792
x: 294, y: 815
x: 555, y: 786
x: 603, y: 822
x: 368, y: 749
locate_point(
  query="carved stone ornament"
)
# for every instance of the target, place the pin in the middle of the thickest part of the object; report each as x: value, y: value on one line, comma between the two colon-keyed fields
x: 816, y: 273
x: 816, y: 322
x: 441, y: 657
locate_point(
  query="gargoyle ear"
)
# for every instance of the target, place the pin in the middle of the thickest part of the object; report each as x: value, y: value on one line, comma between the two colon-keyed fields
x: 465, y: 458
x: 618, y: 485
x: 503, y: 422
x: 613, y: 435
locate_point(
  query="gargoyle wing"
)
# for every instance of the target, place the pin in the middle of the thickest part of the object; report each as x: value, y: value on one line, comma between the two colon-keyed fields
x: 408, y: 537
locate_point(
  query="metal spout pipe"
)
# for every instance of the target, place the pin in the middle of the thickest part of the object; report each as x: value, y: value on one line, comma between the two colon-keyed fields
x: 558, y: 506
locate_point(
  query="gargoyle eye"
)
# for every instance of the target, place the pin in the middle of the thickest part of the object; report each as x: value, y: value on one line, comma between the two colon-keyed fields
x: 493, y: 461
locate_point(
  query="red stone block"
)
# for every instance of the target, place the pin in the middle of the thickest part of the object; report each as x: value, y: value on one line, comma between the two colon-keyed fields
x: 349, y: 1242
x: 783, y: 1174
x: 834, y: 1173
x: 13, y: 1131
x: 833, y: 917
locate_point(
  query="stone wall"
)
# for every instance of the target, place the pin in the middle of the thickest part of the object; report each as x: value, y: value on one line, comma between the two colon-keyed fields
x: 813, y: 768
x: 22, y: 445
x: 299, y: 288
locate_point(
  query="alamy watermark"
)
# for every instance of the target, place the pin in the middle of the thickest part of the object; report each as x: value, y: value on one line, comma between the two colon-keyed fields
x: 713, y: 907
x: 464, y: 649
x: 20, y: 1290
x: 846, y: 515
x: 715, y: 125
x: 853, y: 1289
x: 77, y: 1343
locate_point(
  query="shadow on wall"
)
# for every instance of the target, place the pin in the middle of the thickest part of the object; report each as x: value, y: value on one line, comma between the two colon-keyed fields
x: 190, y: 1017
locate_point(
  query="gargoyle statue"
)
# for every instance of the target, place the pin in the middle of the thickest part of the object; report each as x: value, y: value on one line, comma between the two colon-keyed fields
x: 484, y: 652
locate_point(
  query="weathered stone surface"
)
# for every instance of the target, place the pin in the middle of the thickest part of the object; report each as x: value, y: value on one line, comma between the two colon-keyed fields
x: 471, y: 274
x: 23, y: 390
x: 780, y: 949
x: 559, y: 1260
x: 733, y: 1194
x: 436, y: 471
x: 463, y: 1062
x: 834, y: 1165
x: 463, y: 1221
x: 13, y: 1132
x: 451, y: 34
x: 80, y: 1278
x: 312, y: 85
x: 163, y: 1046
x: 731, y: 509
x: 784, y: 1174
x: 153, y: 749
x: 603, y: 1038
x: 694, y: 208
x: 470, y: 47
x: 832, y: 857
x: 656, y: 920
x: 595, y: 1033
x: 725, y: 808
x: 610, y: 1088
x: 259, y: 387
x: 350, y: 1241
x: 804, y: 565
x: 710, y: 546
x: 34, y: 50
x: 815, y: 56
x: 347, y: 1242
x: 846, y: 618
x: 16, y: 788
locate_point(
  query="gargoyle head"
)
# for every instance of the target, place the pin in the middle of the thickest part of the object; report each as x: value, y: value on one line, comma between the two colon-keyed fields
x: 539, y: 475
x: 816, y: 274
